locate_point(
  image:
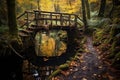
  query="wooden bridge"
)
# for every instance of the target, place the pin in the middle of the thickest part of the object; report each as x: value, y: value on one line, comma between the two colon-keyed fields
x: 41, y: 18
x: 31, y: 22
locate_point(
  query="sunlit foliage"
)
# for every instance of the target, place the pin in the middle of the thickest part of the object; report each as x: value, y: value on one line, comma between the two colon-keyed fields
x: 68, y: 6
x: 49, y: 45
x: 47, y: 5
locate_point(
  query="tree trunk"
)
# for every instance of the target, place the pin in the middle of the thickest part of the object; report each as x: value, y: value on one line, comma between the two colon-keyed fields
x: 38, y: 3
x: 102, y: 8
x: 84, y: 14
x: 69, y: 2
x: 56, y: 6
x: 87, y: 8
x: 12, y: 23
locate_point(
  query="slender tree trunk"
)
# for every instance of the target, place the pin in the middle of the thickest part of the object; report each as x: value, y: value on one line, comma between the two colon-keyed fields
x: 69, y: 2
x: 102, y: 8
x: 12, y: 23
x: 113, y: 7
x: 31, y: 6
x: 84, y: 14
x: 38, y: 3
x: 56, y: 6
x: 87, y: 8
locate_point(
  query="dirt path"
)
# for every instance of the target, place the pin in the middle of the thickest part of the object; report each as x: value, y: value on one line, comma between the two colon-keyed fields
x: 89, y: 66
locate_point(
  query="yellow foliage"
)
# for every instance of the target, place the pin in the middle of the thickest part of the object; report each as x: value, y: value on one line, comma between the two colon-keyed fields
x: 46, y: 5
x: 67, y: 8
x: 48, y: 47
x: 20, y: 1
x: 93, y: 0
x: 62, y: 49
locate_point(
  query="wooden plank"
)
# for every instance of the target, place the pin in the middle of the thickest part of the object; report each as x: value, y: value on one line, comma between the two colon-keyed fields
x: 43, y: 28
x: 23, y: 34
x: 61, y: 19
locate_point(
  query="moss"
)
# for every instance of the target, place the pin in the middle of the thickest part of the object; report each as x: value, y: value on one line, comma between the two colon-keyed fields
x: 54, y: 73
x: 3, y: 29
x: 64, y: 66
x: 114, y: 48
x: 7, y: 41
x: 98, y: 36
x: 117, y: 57
x: 83, y: 40
x: 116, y: 61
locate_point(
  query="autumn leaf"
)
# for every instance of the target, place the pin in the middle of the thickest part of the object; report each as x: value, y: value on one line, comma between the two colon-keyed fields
x: 84, y: 79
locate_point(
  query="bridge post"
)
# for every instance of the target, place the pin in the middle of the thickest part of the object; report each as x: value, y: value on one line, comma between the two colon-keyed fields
x: 75, y: 20
x: 46, y: 20
x: 69, y: 18
x: 61, y: 19
x: 36, y: 17
x: 27, y: 19
x: 51, y: 18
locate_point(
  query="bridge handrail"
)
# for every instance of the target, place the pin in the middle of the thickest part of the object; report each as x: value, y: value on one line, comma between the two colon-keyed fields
x: 78, y: 18
x: 28, y: 21
x: 52, y: 16
x: 23, y: 14
x: 53, y: 12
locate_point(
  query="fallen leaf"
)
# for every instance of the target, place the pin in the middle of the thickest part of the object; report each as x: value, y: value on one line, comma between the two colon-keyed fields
x: 74, y: 77
x: 84, y: 79
x: 98, y: 57
x: 94, y: 74
x: 84, y: 68
x: 99, y: 67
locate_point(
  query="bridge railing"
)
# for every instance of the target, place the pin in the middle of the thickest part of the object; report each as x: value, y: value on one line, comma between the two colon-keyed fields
x: 53, y: 18
x: 39, y: 18
x: 25, y: 19
x: 79, y: 21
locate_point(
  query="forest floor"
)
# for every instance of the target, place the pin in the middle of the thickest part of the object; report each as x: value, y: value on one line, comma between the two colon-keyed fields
x: 89, y: 66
